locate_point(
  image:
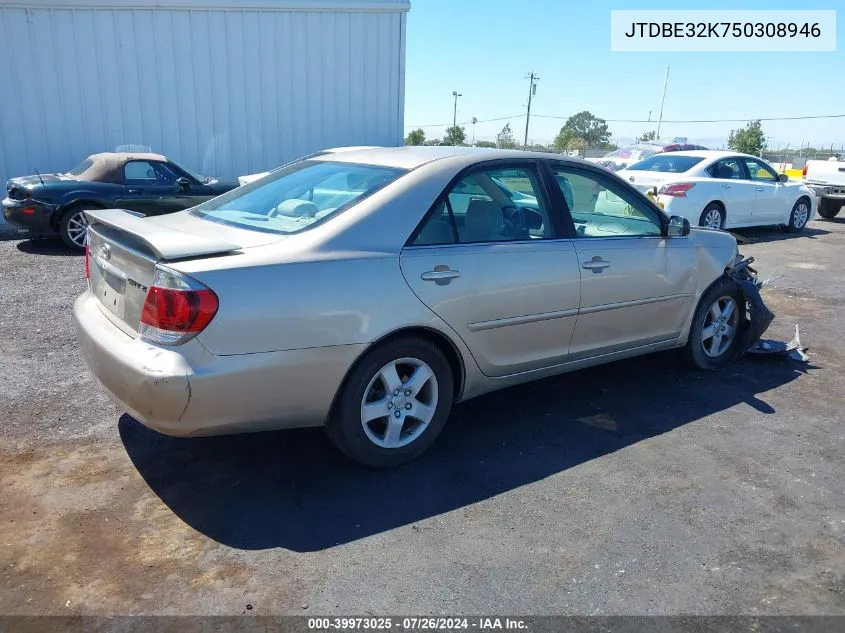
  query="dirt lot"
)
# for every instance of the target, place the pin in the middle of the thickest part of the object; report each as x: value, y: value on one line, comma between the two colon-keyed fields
x: 640, y: 487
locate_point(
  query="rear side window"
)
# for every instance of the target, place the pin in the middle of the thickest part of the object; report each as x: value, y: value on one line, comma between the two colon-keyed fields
x: 667, y: 163
x: 489, y: 205
x: 293, y: 198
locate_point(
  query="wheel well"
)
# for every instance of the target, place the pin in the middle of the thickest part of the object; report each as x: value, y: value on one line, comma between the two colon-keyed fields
x: 805, y: 199
x: 89, y: 204
x: 433, y: 336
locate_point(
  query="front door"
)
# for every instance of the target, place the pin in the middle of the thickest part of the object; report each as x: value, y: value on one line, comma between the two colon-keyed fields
x: 636, y: 285
x: 769, y: 204
x: 734, y: 189
x: 498, y: 273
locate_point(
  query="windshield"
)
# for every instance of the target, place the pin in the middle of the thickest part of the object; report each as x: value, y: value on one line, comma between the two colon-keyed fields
x: 81, y: 167
x: 667, y: 163
x: 293, y: 198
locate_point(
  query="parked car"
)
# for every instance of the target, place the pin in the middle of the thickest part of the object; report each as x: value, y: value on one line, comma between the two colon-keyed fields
x: 826, y: 179
x: 369, y: 291
x: 142, y: 182
x: 627, y: 155
x: 723, y: 190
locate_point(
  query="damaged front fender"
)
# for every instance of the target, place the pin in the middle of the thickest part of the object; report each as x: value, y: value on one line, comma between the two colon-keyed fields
x: 758, y: 315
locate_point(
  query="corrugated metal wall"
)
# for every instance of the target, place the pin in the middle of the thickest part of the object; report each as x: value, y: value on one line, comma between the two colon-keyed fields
x: 224, y: 92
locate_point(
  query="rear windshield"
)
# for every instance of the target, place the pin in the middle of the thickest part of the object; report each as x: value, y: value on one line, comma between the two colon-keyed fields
x: 295, y: 197
x: 667, y: 163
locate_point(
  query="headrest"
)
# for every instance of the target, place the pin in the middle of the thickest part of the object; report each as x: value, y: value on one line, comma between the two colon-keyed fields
x: 296, y: 208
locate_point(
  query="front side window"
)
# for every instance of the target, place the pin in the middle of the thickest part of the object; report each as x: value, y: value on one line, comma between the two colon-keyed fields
x: 489, y: 205
x: 166, y: 176
x: 293, y: 198
x: 602, y: 208
x: 666, y: 163
x: 727, y: 168
x: 139, y: 171
x: 759, y: 170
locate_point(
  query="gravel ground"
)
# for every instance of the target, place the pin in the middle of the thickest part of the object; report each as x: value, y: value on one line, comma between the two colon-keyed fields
x: 636, y: 488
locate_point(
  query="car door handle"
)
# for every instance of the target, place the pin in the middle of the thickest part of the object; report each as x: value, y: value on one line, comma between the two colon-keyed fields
x: 726, y: 186
x: 761, y: 188
x: 596, y: 264
x: 133, y: 191
x: 440, y: 274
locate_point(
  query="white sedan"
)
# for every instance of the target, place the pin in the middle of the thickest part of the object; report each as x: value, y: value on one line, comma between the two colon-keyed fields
x: 723, y: 190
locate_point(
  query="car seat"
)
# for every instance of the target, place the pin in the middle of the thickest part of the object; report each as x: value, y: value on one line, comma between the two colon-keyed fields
x: 484, y: 221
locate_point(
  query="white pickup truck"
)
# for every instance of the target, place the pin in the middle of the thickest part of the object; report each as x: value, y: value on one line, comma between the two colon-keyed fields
x: 826, y: 178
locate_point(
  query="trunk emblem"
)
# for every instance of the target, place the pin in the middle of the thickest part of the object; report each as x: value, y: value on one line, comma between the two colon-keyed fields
x: 105, y: 252
x: 631, y: 179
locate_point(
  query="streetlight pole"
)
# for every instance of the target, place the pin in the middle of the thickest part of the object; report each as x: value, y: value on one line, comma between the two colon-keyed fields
x: 455, y: 94
x: 532, y: 90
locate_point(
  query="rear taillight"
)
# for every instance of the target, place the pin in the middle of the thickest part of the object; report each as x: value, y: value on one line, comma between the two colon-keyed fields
x: 87, y: 257
x: 804, y: 171
x: 177, y: 308
x: 677, y: 191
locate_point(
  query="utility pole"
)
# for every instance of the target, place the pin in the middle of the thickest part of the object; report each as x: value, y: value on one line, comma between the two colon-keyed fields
x: 532, y: 90
x: 455, y: 94
x: 474, y: 121
x: 662, y: 99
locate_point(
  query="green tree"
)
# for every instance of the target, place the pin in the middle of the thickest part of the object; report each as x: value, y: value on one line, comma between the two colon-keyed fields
x: 651, y: 135
x: 434, y: 141
x: 455, y: 135
x: 488, y: 144
x: 578, y: 145
x: 415, y: 137
x: 504, y: 139
x: 749, y: 139
x: 583, y: 125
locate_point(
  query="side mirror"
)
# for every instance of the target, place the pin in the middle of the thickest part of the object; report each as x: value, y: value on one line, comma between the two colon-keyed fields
x: 678, y: 227
x: 782, y: 177
x: 183, y: 182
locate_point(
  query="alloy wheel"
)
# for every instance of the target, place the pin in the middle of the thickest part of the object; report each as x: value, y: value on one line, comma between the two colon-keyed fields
x: 399, y: 403
x: 77, y: 227
x: 713, y: 219
x: 720, y: 326
x: 800, y: 215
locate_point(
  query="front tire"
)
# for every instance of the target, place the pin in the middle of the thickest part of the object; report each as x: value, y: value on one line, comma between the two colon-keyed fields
x: 73, y: 227
x: 713, y: 217
x: 829, y: 208
x: 799, y: 217
x: 393, y: 404
x: 717, y: 327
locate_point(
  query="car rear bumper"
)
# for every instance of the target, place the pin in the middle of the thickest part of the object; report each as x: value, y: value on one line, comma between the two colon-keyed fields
x: 185, y: 390
x: 32, y: 215
x: 828, y: 191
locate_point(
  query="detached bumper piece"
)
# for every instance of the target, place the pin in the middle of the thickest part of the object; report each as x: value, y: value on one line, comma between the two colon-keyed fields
x: 759, y: 318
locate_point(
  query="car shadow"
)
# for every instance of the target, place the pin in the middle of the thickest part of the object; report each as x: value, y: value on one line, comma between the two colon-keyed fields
x: 47, y: 246
x: 293, y: 489
x: 759, y: 235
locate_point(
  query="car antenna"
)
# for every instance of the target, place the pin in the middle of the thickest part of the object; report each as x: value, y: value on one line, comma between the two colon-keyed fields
x: 39, y: 175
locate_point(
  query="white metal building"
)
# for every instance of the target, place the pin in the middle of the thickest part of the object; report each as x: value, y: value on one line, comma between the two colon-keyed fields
x: 224, y: 87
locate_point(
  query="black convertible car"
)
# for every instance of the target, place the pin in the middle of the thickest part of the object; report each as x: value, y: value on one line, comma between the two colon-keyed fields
x: 146, y: 183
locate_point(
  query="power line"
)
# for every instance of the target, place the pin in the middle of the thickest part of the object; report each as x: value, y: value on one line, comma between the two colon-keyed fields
x: 781, y: 118
x: 501, y: 118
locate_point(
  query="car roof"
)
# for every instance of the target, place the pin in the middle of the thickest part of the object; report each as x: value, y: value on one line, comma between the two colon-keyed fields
x: 413, y: 156
x: 701, y: 153
x: 122, y: 157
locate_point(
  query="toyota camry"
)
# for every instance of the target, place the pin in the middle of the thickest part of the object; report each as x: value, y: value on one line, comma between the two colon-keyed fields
x: 370, y: 290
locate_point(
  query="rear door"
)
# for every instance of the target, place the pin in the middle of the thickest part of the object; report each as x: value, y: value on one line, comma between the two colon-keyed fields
x: 731, y: 185
x: 770, y: 201
x: 503, y: 276
x: 636, y: 284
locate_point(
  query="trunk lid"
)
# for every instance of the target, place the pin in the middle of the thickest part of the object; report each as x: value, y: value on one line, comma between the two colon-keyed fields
x: 645, y: 180
x: 124, y: 249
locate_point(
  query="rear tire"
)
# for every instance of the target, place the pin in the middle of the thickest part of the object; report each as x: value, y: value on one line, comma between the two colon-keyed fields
x: 716, y: 331
x: 713, y: 216
x: 73, y: 226
x: 829, y: 208
x: 799, y: 216
x: 393, y: 404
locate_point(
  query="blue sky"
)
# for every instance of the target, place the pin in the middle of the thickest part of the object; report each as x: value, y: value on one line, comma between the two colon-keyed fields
x: 484, y: 49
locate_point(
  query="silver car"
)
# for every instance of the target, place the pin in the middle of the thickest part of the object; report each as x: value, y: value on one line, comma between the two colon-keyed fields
x: 370, y: 290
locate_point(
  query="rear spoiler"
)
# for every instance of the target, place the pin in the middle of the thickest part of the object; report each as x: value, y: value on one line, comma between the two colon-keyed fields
x: 164, y: 241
